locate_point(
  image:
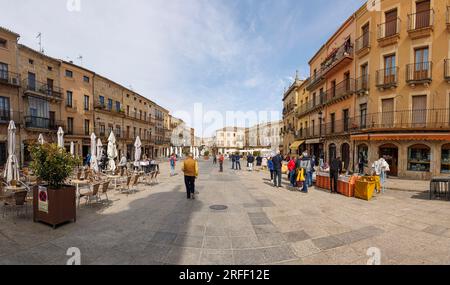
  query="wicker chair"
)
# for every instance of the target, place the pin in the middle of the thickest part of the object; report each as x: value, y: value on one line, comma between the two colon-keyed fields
x: 92, y: 193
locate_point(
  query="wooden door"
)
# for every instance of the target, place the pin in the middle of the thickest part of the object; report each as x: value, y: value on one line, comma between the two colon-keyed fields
x: 391, y: 23
x: 419, y: 115
x: 365, y: 39
x: 421, y: 64
x: 390, y: 71
x: 423, y: 14
x: 387, y: 106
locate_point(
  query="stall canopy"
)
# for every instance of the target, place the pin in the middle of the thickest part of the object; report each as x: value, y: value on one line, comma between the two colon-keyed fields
x: 296, y: 145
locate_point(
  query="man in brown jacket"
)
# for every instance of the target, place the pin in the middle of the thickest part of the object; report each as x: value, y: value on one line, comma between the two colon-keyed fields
x: 190, y: 169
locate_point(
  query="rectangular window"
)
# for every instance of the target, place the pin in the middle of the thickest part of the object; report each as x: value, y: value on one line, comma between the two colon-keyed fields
x: 86, y: 103
x: 70, y: 126
x: 419, y: 112
x: 423, y: 14
x: 421, y: 64
x: 86, y: 79
x: 391, y: 23
x: 69, y: 73
x: 387, y: 109
x: 390, y: 69
x: 87, y: 128
x: 313, y: 128
x: 333, y: 123
x: 118, y: 131
x: 346, y: 115
x: 102, y: 130
x: 4, y: 71
x: 102, y: 101
x: 3, y: 43
x: 110, y: 104
x: 363, y: 115
x: 4, y: 109
x: 69, y: 99
x: 117, y: 106
x: 31, y: 81
x: 365, y: 38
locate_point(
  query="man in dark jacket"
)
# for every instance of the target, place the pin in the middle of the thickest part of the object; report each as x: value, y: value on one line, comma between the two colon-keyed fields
x: 277, y: 165
x: 335, y: 169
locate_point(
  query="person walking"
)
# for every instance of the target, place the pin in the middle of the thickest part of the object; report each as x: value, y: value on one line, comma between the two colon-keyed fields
x: 307, y: 166
x: 221, y: 160
x: 238, y: 162
x: 264, y: 163
x: 233, y: 161
x: 335, y: 169
x: 277, y: 165
x: 270, y: 166
x: 173, y: 161
x: 258, y: 162
x: 215, y: 159
x: 190, y: 169
x: 292, y: 172
x: 250, y: 161
x: 123, y: 162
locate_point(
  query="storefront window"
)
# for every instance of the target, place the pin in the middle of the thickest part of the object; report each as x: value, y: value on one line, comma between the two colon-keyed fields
x: 445, y: 159
x: 363, y: 152
x: 419, y: 158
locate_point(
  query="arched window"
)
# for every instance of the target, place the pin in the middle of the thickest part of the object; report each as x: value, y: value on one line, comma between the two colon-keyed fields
x: 419, y: 158
x: 445, y: 159
x: 345, y: 150
x: 331, y: 152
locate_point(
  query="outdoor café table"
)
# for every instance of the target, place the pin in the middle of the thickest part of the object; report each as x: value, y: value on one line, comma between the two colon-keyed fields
x: 78, y: 182
x: 114, y: 177
x: 14, y: 189
x: 440, y: 187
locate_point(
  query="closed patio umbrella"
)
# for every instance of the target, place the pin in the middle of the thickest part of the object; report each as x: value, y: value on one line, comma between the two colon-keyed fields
x: 12, y: 164
x: 99, y: 148
x: 60, y: 138
x: 137, y: 151
x: 72, y: 148
x: 112, y: 152
x: 94, y: 158
x: 41, y: 140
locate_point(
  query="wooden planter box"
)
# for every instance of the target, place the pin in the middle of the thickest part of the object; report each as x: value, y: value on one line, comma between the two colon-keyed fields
x: 61, y: 206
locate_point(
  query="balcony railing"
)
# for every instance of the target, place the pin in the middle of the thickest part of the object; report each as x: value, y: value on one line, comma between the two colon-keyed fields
x: 420, y: 72
x: 387, y: 77
x: 363, y: 42
x: 421, y: 20
x: 363, y: 83
x: 43, y: 88
x: 6, y: 115
x: 389, y: 29
x: 410, y: 120
x: 344, y: 51
x: 341, y: 89
x: 9, y: 78
x: 42, y: 123
x: 447, y: 69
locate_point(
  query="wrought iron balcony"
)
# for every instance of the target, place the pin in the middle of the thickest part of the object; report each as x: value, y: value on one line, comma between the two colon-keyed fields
x: 363, y: 84
x: 9, y: 78
x: 6, y: 115
x: 342, y: 89
x: 419, y: 73
x: 387, y: 78
x: 362, y: 43
x: 33, y: 122
x: 43, y: 89
x: 388, y: 30
x: 421, y: 20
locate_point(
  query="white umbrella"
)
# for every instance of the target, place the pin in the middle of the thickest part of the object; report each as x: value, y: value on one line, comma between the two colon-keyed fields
x: 171, y: 150
x: 167, y: 152
x: 181, y: 151
x: 60, y: 138
x: 191, y: 150
x: 12, y: 165
x: 41, y: 139
x: 72, y: 148
x: 94, y: 160
x: 112, y: 152
x: 176, y: 151
x: 137, y: 151
x: 99, y: 148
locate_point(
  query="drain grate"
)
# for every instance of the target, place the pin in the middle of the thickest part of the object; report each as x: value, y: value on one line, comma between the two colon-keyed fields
x: 218, y: 207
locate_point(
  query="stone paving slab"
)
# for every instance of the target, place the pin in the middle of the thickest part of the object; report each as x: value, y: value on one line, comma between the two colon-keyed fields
x: 262, y: 225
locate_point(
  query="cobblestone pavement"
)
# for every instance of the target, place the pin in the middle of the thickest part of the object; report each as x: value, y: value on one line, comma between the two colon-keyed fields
x: 262, y: 225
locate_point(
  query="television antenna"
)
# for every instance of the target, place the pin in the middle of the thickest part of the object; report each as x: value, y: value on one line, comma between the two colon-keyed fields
x: 39, y: 36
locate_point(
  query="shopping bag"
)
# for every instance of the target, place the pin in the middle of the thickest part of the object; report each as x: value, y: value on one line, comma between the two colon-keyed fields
x: 284, y: 169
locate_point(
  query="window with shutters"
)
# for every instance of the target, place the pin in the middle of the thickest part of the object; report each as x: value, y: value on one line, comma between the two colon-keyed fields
x: 419, y: 111
x: 387, y: 107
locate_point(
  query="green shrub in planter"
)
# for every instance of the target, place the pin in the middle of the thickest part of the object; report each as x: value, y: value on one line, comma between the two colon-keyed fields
x: 52, y: 164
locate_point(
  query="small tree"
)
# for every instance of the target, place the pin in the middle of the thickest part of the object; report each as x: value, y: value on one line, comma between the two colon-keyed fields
x: 52, y: 164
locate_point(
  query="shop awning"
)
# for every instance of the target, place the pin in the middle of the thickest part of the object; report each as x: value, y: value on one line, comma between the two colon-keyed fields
x: 296, y: 145
x: 315, y: 141
x: 402, y: 137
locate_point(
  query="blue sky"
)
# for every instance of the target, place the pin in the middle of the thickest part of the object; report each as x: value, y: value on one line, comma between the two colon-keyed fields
x: 229, y: 55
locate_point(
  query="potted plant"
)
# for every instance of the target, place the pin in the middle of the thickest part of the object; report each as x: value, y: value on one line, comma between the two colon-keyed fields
x: 206, y: 155
x: 53, y: 200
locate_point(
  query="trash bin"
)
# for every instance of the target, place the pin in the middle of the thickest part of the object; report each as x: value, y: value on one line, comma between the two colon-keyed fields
x: 364, y: 188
